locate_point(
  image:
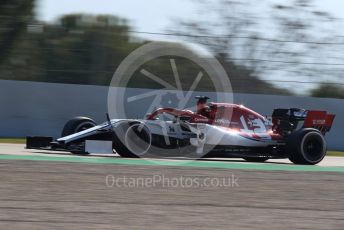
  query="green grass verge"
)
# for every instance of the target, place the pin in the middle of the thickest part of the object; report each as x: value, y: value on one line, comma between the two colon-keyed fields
x: 22, y: 141
x: 12, y: 140
x: 335, y: 154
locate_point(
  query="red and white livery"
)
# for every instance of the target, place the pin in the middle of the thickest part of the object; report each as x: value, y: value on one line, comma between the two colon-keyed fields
x: 214, y: 130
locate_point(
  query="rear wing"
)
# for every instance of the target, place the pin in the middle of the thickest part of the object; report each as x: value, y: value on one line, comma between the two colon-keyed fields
x: 320, y: 120
x: 286, y: 121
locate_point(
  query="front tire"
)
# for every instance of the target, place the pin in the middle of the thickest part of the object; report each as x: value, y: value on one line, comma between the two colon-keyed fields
x: 76, y: 125
x: 132, y: 140
x: 307, y: 146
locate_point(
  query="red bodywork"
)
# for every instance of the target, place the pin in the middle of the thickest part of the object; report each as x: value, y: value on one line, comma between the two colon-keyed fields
x: 230, y: 117
x: 219, y: 114
x: 240, y: 119
x: 320, y: 120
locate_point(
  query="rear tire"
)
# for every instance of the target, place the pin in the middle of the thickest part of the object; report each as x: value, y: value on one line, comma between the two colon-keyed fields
x: 307, y: 146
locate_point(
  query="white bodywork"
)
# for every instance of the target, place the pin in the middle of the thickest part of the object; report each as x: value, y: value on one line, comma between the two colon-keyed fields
x: 199, y: 134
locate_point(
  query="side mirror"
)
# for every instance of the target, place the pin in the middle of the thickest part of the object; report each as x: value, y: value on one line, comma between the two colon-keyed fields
x: 149, y: 114
x: 108, y: 119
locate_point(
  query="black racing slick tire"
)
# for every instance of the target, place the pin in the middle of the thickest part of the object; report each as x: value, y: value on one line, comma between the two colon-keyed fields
x: 307, y: 146
x: 132, y: 140
x: 121, y: 149
x: 76, y: 125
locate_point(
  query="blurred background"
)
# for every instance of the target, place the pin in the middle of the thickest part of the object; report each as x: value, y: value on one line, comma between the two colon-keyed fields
x: 267, y: 47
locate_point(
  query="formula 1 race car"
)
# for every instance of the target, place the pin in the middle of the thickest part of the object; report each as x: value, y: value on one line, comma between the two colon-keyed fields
x: 214, y: 130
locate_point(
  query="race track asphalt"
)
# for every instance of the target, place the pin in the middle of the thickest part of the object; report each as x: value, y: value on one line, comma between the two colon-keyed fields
x: 46, y: 190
